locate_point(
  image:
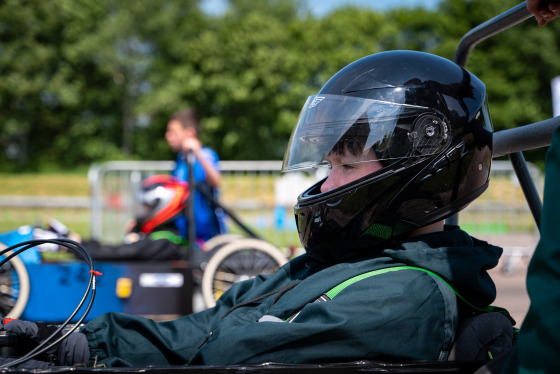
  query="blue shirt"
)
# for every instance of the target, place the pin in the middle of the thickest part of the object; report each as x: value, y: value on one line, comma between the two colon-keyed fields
x: 208, y: 222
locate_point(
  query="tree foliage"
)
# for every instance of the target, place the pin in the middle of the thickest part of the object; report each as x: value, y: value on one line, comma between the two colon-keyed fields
x: 86, y: 81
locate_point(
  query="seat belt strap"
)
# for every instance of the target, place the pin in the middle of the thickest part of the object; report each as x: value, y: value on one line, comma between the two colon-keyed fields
x: 331, y: 294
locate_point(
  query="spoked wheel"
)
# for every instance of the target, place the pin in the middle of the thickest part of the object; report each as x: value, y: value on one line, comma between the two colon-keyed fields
x: 14, y: 287
x: 219, y: 240
x: 236, y: 261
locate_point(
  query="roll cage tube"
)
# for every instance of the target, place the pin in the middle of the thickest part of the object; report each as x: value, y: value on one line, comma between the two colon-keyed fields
x: 512, y: 141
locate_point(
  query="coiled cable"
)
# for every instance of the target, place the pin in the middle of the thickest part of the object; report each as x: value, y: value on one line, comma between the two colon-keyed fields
x: 76, y: 247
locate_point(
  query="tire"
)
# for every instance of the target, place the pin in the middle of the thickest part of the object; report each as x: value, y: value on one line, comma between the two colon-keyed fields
x: 14, y: 287
x: 219, y: 240
x: 238, y: 260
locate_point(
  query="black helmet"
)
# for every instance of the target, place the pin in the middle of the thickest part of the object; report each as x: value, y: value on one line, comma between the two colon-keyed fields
x: 423, y: 117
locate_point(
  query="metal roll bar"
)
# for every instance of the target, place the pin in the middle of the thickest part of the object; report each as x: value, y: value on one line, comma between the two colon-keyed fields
x: 489, y: 28
x: 511, y: 142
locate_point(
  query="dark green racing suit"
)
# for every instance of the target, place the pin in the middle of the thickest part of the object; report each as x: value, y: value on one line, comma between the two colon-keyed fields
x: 405, y: 314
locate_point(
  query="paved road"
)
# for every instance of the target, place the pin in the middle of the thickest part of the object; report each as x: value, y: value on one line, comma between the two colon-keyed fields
x: 510, y: 275
x: 512, y: 292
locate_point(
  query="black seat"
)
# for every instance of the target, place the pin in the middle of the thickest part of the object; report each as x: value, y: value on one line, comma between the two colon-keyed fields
x: 482, y: 337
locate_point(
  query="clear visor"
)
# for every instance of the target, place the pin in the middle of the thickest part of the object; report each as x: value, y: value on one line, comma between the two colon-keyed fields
x: 365, y: 129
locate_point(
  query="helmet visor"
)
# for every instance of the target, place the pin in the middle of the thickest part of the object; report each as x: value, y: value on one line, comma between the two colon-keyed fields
x: 371, y: 130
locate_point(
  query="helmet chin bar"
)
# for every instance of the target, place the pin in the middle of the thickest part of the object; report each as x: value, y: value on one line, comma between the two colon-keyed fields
x: 343, y: 223
x: 346, y: 222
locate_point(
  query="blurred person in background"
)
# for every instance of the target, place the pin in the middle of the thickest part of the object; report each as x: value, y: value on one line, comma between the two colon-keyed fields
x: 182, y: 133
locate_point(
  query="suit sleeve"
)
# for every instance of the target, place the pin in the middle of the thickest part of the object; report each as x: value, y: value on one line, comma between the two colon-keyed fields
x: 118, y: 339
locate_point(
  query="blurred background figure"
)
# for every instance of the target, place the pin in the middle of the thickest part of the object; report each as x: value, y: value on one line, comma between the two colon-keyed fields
x: 182, y: 136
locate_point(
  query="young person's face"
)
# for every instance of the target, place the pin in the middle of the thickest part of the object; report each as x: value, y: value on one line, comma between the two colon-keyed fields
x: 176, y: 134
x: 347, y: 167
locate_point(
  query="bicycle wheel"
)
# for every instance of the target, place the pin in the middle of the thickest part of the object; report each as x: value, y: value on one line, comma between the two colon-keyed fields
x: 219, y: 240
x: 237, y: 261
x: 14, y: 287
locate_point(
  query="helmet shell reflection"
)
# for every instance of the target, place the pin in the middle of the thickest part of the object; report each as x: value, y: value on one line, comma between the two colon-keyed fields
x: 424, y: 117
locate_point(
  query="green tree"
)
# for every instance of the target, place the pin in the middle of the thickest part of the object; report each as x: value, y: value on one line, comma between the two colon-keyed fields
x: 72, y: 73
x: 91, y: 80
x: 52, y: 97
x: 237, y: 73
x: 516, y: 65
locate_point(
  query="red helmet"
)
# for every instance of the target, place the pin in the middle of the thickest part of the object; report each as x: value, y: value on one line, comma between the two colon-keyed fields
x: 165, y: 197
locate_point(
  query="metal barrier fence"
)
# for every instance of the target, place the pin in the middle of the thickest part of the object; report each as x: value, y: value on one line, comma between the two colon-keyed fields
x: 255, y: 191
x: 17, y: 211
x: 263, y: 199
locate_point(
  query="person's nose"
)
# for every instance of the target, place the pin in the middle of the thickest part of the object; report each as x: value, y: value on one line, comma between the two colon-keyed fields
x: 330, y: 183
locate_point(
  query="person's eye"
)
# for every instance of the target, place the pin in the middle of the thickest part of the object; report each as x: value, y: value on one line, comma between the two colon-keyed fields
x: 347, y: 166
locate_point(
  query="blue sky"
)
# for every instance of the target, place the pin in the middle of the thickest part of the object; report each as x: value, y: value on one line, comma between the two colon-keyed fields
x: 321, y: 7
